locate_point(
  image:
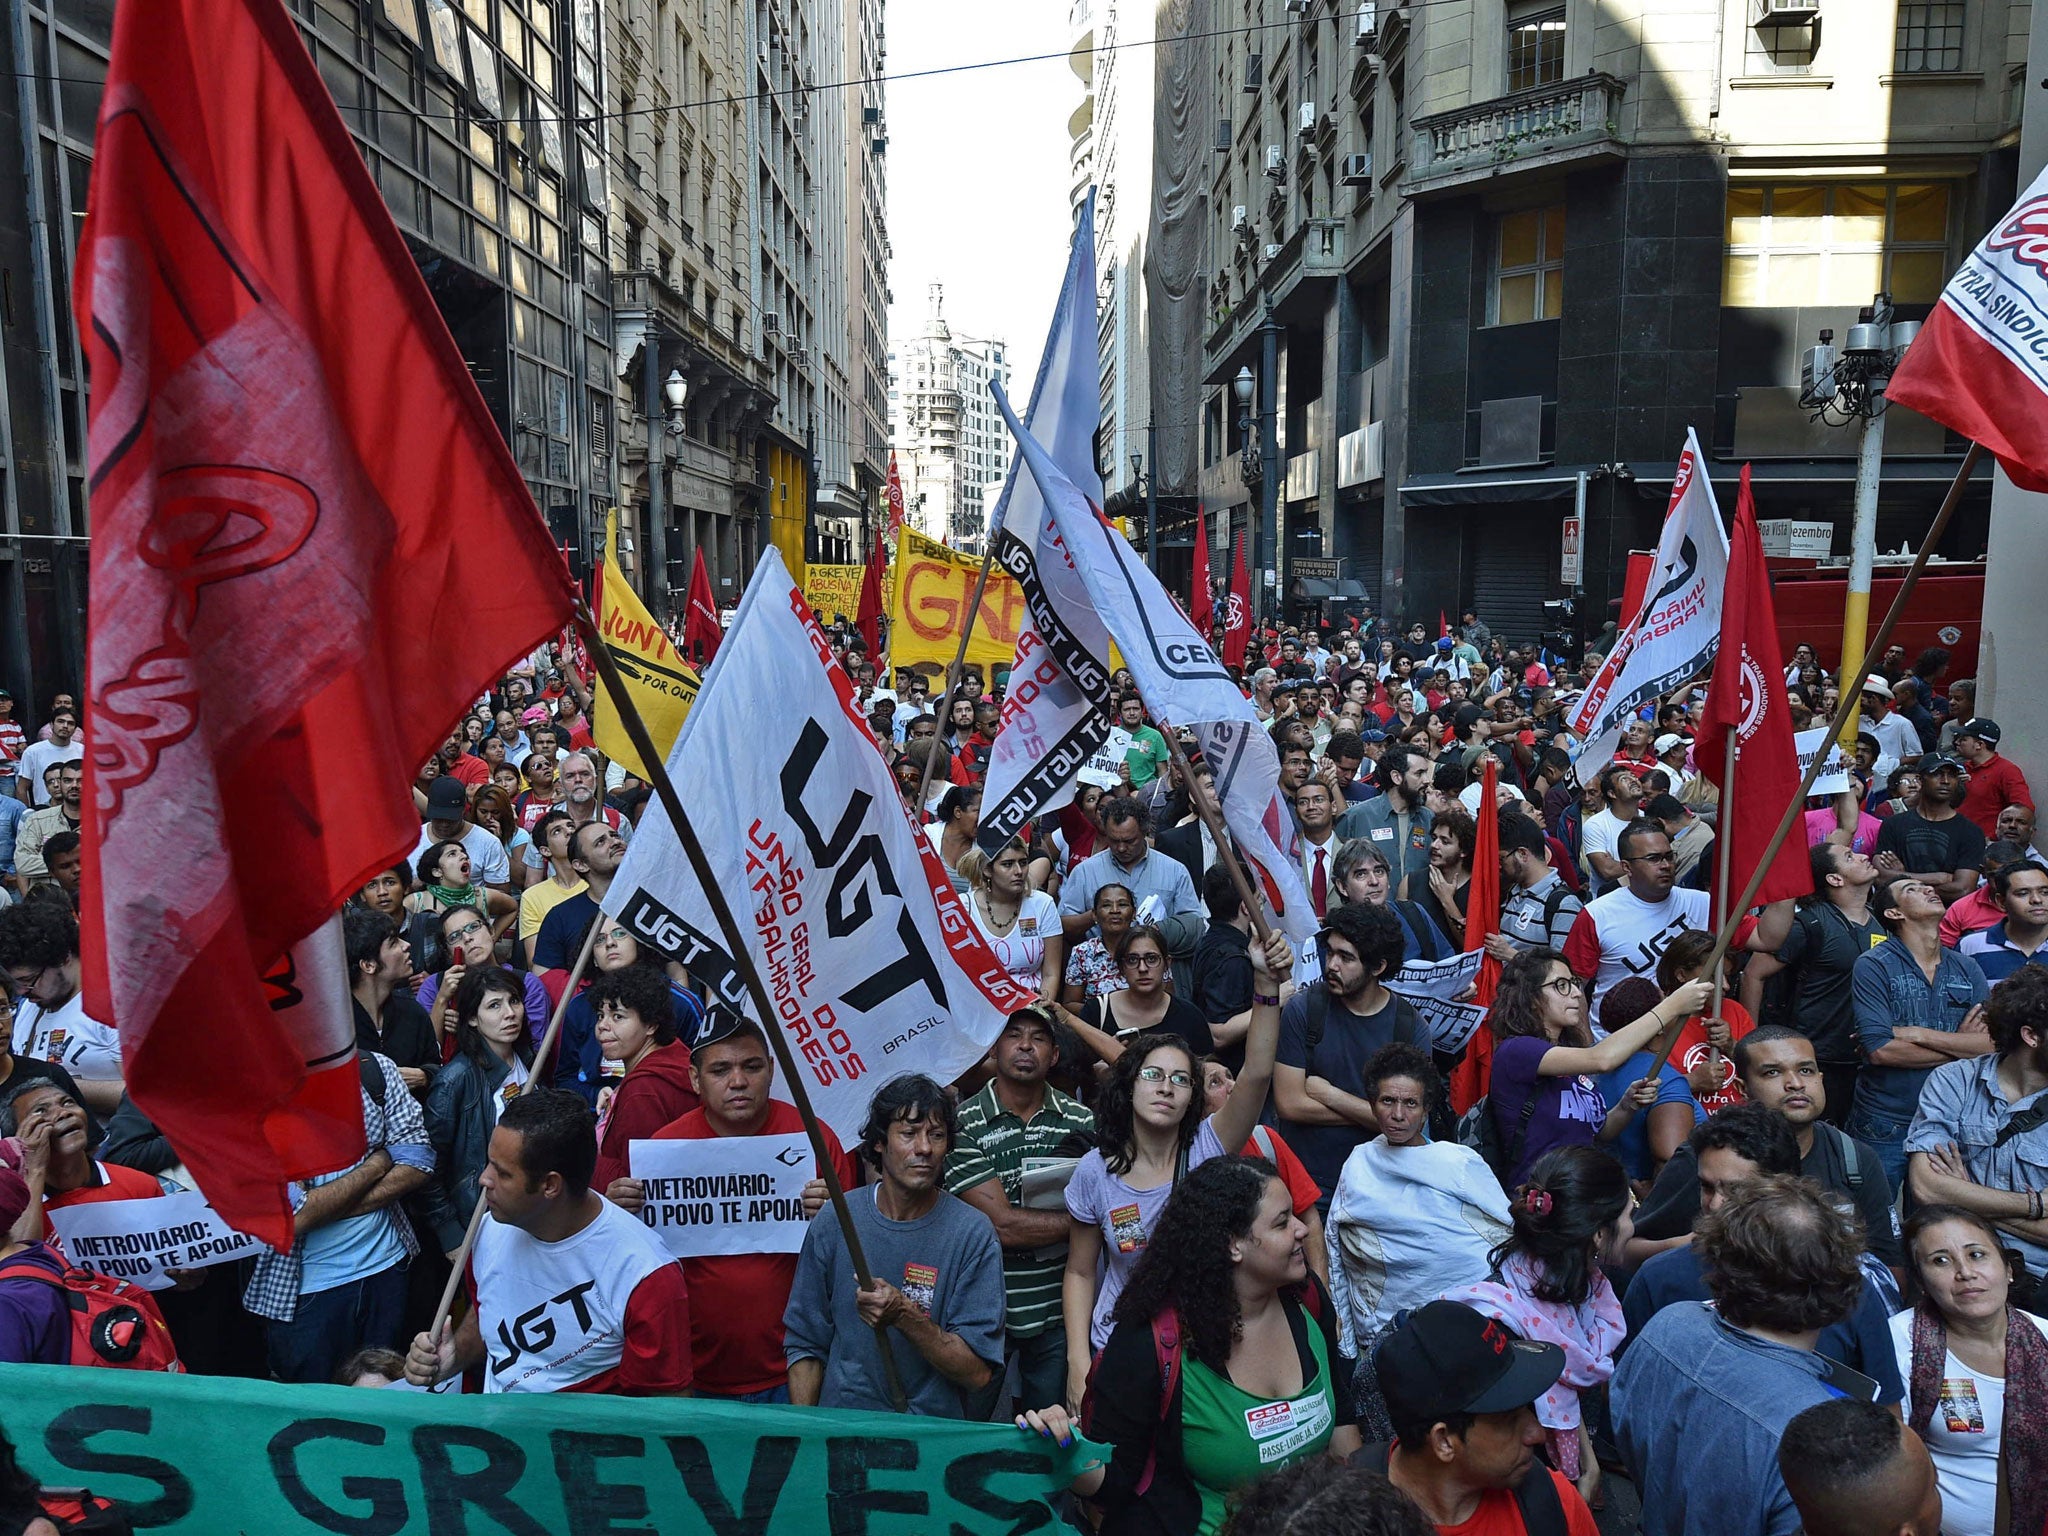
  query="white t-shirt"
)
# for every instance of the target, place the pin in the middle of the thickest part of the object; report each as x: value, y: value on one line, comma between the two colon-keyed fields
x: 487, y: 862
x: 1022, y: 949
x: 81, y: 1046
x: 1963, y: 1435
x: 36, y: 760
x: 510, y: 1089
x: 554, y: 1314
x: 1600, y: 834
x: 1619, y: 936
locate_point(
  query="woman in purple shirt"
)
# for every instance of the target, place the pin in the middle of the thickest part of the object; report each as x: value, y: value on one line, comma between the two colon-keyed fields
x: 35, y: 1323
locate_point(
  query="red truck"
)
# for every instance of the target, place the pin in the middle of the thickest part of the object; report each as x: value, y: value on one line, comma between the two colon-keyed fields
x: 1946, y: 609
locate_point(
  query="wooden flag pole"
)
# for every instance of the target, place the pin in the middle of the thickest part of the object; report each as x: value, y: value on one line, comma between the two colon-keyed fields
x: 743, y: 961
x: 958, y: 665
x: 1847, y: 677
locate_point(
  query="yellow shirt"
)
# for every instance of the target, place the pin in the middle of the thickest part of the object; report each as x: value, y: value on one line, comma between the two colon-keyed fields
x: 537, y: 901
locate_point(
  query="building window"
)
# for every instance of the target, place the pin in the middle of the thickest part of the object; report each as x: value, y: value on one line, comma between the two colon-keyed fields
x: 1528, y: 267
x: 1794, y: 245
x: 1535, y: 50
x: 1929, y: 38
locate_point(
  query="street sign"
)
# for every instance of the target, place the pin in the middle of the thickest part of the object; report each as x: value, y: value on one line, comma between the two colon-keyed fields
x: 1789, y: 538
x: 1569, y: 567
x: 1315, y: 567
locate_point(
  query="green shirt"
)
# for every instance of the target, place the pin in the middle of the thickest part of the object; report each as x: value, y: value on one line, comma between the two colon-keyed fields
x: 1148, y: 756
x: 1231, y: 1438
x: 994, y: 1144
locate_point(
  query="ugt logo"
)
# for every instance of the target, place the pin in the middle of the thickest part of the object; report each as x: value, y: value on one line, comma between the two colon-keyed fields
x: 2025, y: 234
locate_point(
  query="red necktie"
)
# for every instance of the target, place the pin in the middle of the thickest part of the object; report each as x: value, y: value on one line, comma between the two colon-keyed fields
x: 1319, y: 886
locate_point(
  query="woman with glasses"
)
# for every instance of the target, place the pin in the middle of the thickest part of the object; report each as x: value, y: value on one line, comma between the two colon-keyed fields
x: 1544, y: 1059
x: 1143, y: 1005
x: 1151, y: 1127
x: 467, y: 940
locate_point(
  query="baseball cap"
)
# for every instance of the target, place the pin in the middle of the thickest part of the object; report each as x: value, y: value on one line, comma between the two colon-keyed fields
x: 445, y: 799
x: 1668, y: 741
x: 1448, y: 1358
x: 536, y: 714
x: 1935, y: 762
x: 1446, y: 643
x: 719, y: 1022
x: 1877, y: 685
x: 1370, y: 737
x: 1986, y: 731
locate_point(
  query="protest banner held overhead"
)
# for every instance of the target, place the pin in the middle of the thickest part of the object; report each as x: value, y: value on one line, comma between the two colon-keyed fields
x: 870, y: 957
x: 929, y: 601
x: 662, y: 683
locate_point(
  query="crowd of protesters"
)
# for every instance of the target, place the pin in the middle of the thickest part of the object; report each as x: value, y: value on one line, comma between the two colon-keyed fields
x: 1207, y: 1199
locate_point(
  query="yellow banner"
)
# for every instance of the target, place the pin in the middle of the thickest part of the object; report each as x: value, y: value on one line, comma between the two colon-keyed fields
x: 833, y: 591
x: 928, y: 606
x: 660, y: 684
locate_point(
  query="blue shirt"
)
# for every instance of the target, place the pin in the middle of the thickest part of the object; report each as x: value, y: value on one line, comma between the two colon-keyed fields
x: 1699, y: 1408
x: 1963, y: 1102
x: 1889, y: 989
x: 11, y: 812
x: 1632, y: 1146
x: 1156, y: 875
x: 1996, y: 955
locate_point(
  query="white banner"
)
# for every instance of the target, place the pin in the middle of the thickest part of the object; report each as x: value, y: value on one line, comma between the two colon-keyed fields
x: 874, y: 966
x: 1450, y: 1024
x: 1181, y: 680
x: 146, y: 1240
x: 1674, y: 638
x: 1104, y: 768
x: 1444, y: 979
x: 725, y: 1194
x: 1834, y: 773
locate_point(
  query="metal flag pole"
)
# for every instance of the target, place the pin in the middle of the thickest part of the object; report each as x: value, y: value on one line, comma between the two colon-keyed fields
x: 743, y: 961
x: 1848, y: 675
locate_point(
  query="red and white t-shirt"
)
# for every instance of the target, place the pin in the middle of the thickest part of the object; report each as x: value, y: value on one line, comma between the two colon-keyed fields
x: 740, y: 1297
x: 604, y: 1311
x: 13, y: 742
x: 1619, y: 936
x: 117, y: 1181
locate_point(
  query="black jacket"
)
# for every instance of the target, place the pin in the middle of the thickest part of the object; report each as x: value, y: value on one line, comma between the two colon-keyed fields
x: 1184, y: 846
x: 460, y: 1118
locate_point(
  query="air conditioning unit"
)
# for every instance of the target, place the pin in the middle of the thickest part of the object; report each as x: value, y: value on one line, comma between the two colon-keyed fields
x: 771, y: 323
x: 1223, y: 136
x: 1276, y: 162
x: 1273, y: 252
x: 1357, y: 170
x: 1368, y: 24
x: 1298, y: 7
x: 1240, y: 218
x: 1254, y: 72
x: 1786, y: 13
x: 1308, y: 120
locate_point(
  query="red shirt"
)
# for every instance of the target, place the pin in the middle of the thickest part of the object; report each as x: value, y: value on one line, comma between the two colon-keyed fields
x: 1691, y: 1050
x: 1498, y: 1515
x: 656, y: 1362
x: 1994, y: 785
x: 738, y: 1299
x: 117, y: 1182
x: 470, y: 769
x: 1302, y: 1188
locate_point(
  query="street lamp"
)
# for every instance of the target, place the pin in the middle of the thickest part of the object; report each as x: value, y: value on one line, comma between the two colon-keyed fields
x: 675, y: 389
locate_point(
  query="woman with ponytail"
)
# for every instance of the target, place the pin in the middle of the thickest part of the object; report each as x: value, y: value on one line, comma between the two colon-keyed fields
x: 1570, y: 1216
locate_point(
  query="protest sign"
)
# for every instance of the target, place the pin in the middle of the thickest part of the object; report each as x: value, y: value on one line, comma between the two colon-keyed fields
x: 728, y: 1194
x: 1450, y: 1024
x: 141, y: 1240
x: 1437, y: 978
x: 933, y: 590
x: 202, y: 1455
x: 833, y: 591
x: 1834, y: 773
x: 662, y: 684
x: 1104, y: 766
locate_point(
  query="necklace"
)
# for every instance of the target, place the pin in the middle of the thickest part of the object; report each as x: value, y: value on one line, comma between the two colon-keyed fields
x: 988, y: 910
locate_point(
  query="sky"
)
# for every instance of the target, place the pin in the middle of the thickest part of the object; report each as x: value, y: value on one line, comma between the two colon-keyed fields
x: 978, y: 171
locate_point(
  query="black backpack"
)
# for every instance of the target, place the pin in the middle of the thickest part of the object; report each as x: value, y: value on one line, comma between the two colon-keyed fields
x: 1536, y: 1497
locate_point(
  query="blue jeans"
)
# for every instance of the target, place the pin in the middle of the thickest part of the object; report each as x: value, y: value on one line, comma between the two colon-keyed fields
x: 332, y: 1325
x: 1887, y: 1136
x: 1041, y: 1374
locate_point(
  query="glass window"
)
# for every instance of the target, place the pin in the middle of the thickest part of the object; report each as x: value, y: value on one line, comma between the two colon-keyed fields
x: 1536, y: 51
x: 1821, y: 244
x: 1929, y: 37
x: 1528, y: 267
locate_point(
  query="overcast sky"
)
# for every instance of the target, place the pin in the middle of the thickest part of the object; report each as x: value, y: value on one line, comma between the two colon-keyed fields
x: 978, y: 171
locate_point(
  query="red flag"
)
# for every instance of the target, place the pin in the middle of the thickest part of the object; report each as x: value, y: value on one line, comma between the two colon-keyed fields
x: 1747, y: 696
x: 311, y: 551
x: 1201, y: 601
x: 1976, y: 366
x: 701, y: 629
x: 1443, y: 625
x: 895, y: 501
x: 1482, y: 921
x: 1237, y: 618
x: 869, y: 618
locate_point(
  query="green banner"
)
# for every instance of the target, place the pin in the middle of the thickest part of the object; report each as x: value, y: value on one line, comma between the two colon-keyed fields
x: 209, y: 1456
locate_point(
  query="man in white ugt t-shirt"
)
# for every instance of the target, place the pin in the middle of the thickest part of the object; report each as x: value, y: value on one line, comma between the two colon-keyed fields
x: 1626, y: 932
x: 572, y: 1293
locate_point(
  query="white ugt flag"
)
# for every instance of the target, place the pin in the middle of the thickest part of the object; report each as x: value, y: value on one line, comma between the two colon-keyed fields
x: 873, y: 965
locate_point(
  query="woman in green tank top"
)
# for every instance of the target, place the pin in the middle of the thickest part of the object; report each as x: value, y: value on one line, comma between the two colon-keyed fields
x: 1221, y: 1365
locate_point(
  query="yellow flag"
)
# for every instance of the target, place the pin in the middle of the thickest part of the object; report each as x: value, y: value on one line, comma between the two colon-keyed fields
x: 660, y: 683
x: 934, y: 588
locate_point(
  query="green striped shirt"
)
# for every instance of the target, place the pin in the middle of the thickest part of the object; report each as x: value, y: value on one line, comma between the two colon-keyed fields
x: 994, y: 1144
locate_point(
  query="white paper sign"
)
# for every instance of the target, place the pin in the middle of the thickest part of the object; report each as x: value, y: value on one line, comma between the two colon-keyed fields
x: 142, y: 1240
x: 1834, y: 774
x: 1450, y: 1024
x: 1442, y: 979
x: 725, y: 1194
x: 1103, y: 769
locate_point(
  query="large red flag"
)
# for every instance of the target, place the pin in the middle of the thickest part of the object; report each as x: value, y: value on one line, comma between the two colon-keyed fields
x: 701, y: 629
x: 895, y: 501
x: 1747, y: 696
x: 1201, y: 600
x: 1976, y: 366
x: 1237, y: 619
x: 311, y: 551
x: 869, y: 617
x: 1482, y: 921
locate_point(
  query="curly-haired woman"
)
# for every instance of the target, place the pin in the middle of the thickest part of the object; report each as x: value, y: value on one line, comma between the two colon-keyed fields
x: 1151, y: 1130
x: 1570, y: 1218
x: 1223, y: 1363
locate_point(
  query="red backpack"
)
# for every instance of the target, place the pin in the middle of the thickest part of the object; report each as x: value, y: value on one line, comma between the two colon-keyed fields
x: 113, y: 1323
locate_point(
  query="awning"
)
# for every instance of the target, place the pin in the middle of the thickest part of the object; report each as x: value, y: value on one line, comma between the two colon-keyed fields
x: 1816, y: 472
x: 1481, y: 489
x: 1315, y: 589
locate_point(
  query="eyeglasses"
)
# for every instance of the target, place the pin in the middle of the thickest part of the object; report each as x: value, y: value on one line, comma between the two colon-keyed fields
x: 1564, y: 986
x: 1161, y: 1075
x: 28, y: 987
x: 461, y: 935
x: 1145, y: 961
x: 1666, y: 857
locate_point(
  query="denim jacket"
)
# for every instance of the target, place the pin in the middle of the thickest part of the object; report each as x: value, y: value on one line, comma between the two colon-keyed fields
x: 1890, y: 990
x: 1963, y: 1102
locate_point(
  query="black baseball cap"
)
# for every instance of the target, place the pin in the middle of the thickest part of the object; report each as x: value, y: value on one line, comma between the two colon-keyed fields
x: 1986, y: 731
x: 446, y: 799
x: 1448, y: 1358
x: 1935, y: 762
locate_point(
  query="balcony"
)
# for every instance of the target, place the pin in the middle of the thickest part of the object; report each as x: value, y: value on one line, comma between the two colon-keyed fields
x: 1538, y: 129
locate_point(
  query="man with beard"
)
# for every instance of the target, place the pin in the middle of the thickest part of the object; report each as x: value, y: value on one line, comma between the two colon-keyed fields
x: 1395, y: 821
x: 937, y: 1267
x: 580, y: 798
x: 39, y: 952
x: 1622, y: 794
x: 62, y: 814
x: 736, y: 1336
x: 1934, y: 841
x: 1625, y: 932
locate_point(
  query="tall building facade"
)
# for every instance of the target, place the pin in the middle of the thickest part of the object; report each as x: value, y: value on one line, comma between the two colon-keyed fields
x: 1503, y: 253
x: 952, y: 447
